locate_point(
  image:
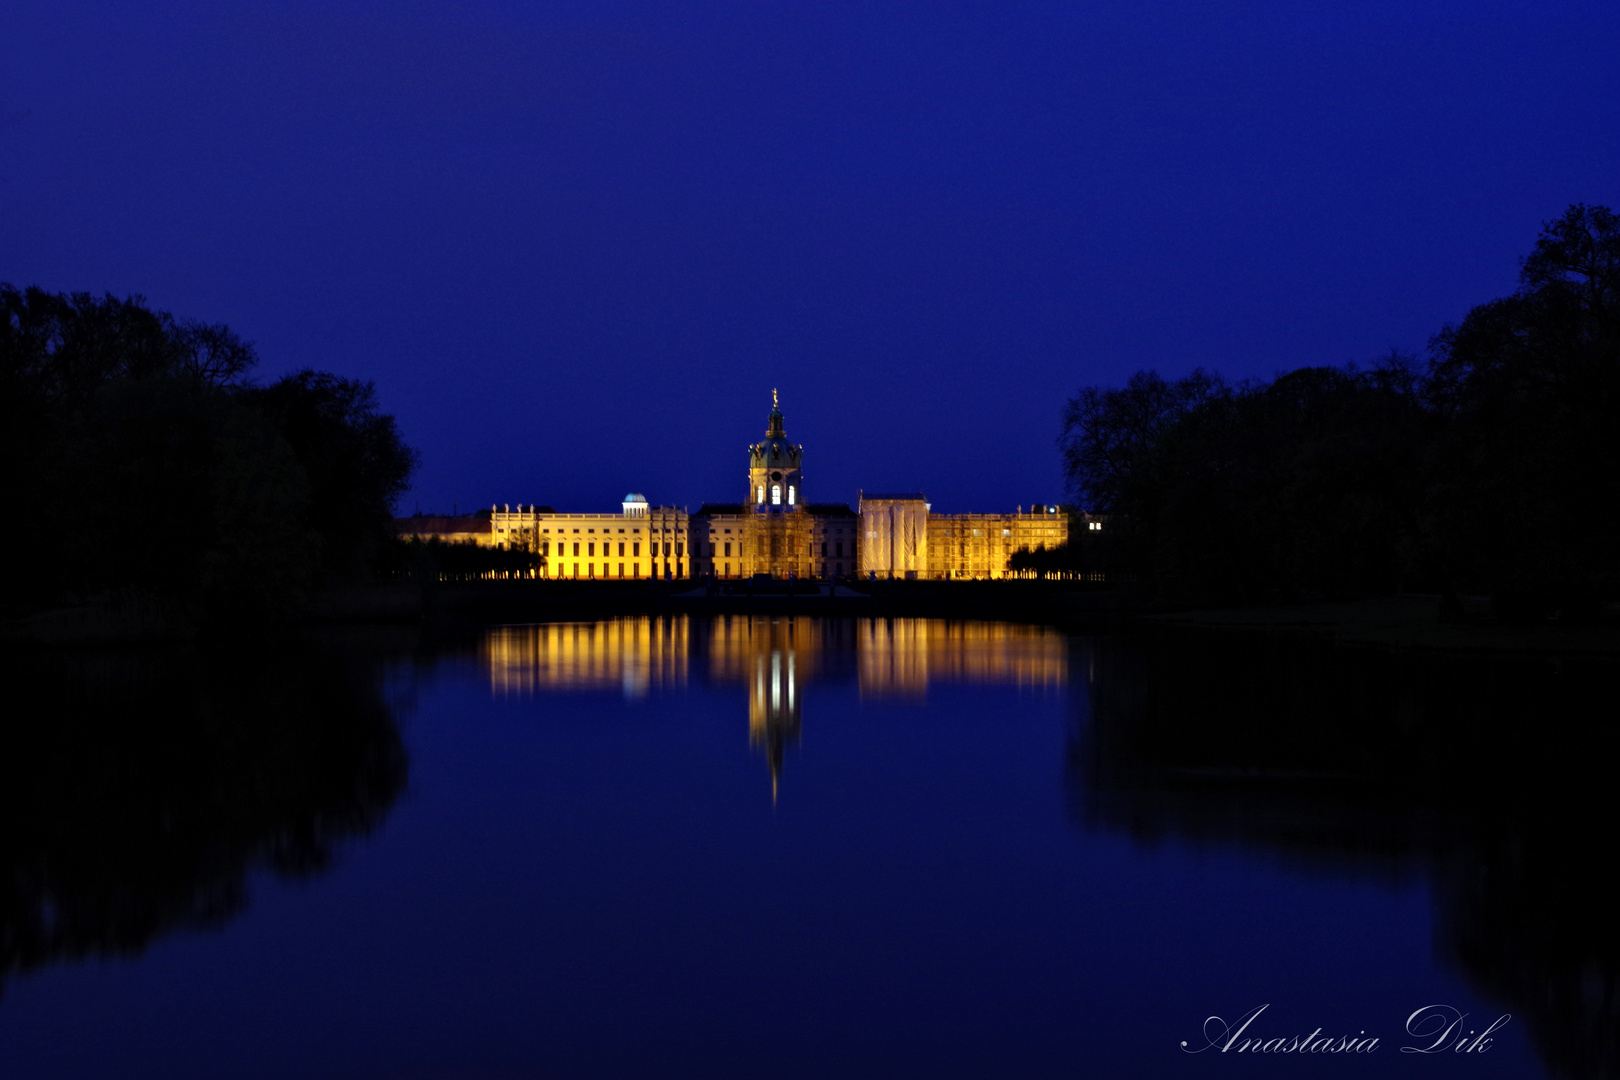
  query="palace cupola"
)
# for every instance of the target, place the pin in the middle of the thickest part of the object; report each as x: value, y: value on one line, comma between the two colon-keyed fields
x: 775, y: 482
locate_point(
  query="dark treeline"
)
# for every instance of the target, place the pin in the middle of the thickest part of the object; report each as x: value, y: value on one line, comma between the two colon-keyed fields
x: 432, y: 560
x: 1492, y: 469
x: 139, y: 459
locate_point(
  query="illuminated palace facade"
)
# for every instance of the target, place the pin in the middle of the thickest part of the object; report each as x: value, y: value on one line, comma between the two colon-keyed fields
x: 774, y: 531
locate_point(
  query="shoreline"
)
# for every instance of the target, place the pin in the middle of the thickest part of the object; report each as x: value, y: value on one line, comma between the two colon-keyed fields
x: 1402, y: 623
x: 1405, y: 623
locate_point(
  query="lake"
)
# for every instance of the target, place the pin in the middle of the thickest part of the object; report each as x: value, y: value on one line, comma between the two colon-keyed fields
x: 800, y: 847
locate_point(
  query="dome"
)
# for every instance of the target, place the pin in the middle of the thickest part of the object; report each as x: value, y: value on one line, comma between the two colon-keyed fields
x: 633, y: 497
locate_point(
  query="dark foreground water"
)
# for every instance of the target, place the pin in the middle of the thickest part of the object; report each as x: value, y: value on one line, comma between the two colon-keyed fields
x: 805, y: 848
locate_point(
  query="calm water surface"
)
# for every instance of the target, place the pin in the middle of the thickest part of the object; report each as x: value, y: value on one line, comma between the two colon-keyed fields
x: 799, y: 848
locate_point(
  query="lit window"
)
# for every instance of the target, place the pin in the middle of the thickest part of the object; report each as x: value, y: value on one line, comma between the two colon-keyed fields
x: 760, y: 497
x: 792, y: 494
x: 776, y: 494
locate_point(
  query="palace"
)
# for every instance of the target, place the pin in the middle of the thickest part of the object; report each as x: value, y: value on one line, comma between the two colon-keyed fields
x: 774, y: 531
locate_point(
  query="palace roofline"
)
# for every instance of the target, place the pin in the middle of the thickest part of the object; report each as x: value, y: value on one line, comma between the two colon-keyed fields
x: 774, y: 531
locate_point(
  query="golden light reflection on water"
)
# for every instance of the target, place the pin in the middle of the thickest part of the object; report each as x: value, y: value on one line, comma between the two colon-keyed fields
x: 902, y: 657
x: 631, y: 655
x: 773, y: 659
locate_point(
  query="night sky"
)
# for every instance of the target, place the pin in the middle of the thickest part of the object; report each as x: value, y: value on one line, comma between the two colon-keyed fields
x: 577, y: 244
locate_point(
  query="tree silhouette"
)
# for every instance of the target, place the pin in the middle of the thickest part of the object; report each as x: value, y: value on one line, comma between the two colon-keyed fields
x: 146, y: 462
x: 1496, y: 470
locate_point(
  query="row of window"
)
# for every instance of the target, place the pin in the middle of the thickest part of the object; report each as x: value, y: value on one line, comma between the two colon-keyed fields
x: 655, y: 549
x: 776, y: 495
x: 564, y: 570
x: 621, y: 531
x: 717, y: 549
x: 675, y: 569
x: 961, y: 530
x: 637, y: 532
x: 530, y: 528
x: 664, y: 547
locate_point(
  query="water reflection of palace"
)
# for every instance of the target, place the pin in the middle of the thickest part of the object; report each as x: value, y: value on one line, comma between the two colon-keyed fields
x: 631, y: 655
x: 772, y: 656
x: 773, y: 659
x: 901, y: 657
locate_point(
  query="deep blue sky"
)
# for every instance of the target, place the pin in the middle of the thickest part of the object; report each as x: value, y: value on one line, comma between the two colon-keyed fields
x: 576, y: 244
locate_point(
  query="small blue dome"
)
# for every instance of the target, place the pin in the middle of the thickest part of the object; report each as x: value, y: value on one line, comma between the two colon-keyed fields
x: 633, y: 497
